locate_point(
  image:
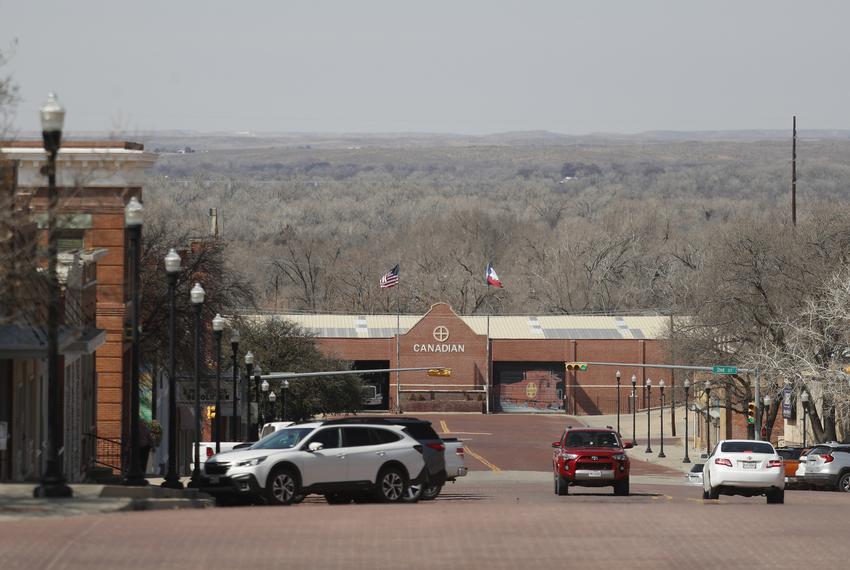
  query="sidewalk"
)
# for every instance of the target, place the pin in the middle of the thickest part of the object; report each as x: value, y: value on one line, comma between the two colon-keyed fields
x: 17, y: 502
x: 673, y: 446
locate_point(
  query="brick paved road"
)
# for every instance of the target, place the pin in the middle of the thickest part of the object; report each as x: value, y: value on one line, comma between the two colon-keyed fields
x: 517, y: 442
x: 474, y: 525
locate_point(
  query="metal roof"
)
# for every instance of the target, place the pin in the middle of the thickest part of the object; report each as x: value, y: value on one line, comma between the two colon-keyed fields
x: 542, y: 327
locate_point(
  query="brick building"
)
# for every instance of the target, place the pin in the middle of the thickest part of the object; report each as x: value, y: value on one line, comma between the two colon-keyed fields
x: 95, y: 181
x: 521, y: 369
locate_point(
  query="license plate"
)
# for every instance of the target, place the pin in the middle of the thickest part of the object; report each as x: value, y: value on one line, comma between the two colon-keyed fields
x: 214, y: 479
x: 749, y: 464
x: 594, y: 473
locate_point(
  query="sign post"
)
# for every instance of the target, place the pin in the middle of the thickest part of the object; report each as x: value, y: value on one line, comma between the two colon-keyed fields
x: 724, y: 369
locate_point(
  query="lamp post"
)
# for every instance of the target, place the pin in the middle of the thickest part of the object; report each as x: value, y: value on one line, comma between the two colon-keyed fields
x: 687, y: 386
x: 257, y: 373
x: 285, y: 388
x: 172, y: 270
x: 618, y: 401
x: 707, y: 416
x: 218, y: 328
x: 52, y: 482
x: 234, y: 347
x: 272, y: 400
x: 765, y: 413
x: 805, y: 398
x: 197, y: 295
x: 249, y: 371
x: 661, y: 423
x: 648, y: 407
x: 133, y: 221
x: 264, y: 386
x: 634, y: 409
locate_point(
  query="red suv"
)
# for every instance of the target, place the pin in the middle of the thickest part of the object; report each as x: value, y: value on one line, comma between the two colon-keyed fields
x: 591, y: 457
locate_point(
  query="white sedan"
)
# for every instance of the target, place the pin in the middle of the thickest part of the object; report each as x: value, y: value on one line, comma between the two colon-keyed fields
x: 744, y: 467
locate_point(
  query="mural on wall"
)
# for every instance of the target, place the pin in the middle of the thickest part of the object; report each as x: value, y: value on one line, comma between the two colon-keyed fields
x: 520, y: 390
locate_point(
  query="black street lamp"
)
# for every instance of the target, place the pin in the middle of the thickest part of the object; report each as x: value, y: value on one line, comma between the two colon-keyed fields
x: 634, y: 409
x: 52, y: 482
x: 707, y: 417
x: 272, y: 401
x: 255, y: 433
x: 661, y: 423
x: 234, y: 347
x: 618, y: 401
x: 218, y: 328
x: 133, y: 221
x: 805, y: 398
x: 285, y: 386
x: 648, y: 407
x: 264, y: 386
x: 197, y: 295
x: 249, y: 371
x: 172, y: 270
x: 687, y: 386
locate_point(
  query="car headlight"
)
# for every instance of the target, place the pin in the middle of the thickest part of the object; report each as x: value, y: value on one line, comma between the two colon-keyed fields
x: 251, y: 462
x: 620, y: 457
x: 569, y: 456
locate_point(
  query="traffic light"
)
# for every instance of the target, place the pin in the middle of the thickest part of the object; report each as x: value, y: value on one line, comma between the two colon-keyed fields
x: 211, y: 412
x: 439, y: 372
x: 751, y: 413
x: 577, y: 366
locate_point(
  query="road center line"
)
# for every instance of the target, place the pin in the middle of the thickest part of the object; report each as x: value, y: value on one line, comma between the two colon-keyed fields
x: 481, y: 459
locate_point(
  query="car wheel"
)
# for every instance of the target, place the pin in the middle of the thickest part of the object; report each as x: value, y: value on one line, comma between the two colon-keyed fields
x: 391, y: 485
x: 562, y: 486
x: 430, y: 493
x: 414, y: 492
x: 843, y: 484
x: 621, y: 488
x: 776, y: 497
x: 282, y: 486
x: 338, y: 498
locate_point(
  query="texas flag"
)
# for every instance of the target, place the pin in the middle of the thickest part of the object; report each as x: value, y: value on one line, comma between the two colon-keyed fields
x: 492, y: 278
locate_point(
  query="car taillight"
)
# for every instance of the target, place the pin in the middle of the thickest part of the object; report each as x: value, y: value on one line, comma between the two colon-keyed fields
x: 827, y: 458
x: 209, y: 452
x: 437, y: 446
x: 723, y: 461
x: 418, y: 448
x: 774, y: 463
x: 459, y: 451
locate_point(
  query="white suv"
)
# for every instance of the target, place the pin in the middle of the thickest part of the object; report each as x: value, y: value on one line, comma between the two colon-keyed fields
x: 341, y: 461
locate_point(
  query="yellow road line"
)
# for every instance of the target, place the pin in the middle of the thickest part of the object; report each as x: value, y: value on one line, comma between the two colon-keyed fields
x: 479, y: 458
x: 444, y: 427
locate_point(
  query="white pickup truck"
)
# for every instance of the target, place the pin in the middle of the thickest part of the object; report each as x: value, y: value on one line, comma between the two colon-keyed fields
x: 455, y: 466
x: 207, y: 448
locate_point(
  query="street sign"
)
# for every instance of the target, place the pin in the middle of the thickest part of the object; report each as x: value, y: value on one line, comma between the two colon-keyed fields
x: 724, y: 369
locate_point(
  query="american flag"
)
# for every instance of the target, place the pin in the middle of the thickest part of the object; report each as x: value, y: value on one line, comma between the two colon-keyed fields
x: 390, y: 279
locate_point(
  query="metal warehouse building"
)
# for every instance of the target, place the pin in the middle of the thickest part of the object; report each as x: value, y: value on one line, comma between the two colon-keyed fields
x: 499, y: 363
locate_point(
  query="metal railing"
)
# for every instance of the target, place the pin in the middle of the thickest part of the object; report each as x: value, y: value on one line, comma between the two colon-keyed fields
x: 108, y: 452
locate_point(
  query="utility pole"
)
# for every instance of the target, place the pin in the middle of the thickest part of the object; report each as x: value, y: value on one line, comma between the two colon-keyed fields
x: 794, y: 173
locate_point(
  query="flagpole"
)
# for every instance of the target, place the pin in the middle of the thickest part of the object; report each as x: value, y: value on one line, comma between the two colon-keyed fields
x: 487, y: 392
x: 397, y: 349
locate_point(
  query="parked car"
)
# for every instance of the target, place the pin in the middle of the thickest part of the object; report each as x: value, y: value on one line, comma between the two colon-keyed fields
x: 828, y: 466
x: 791, y: 462
x: 591, y: 457
x: 207, y: 448
x: 694, y: 476
x: 339, y: 460
x: 744, y: 467
x: 455, y: 467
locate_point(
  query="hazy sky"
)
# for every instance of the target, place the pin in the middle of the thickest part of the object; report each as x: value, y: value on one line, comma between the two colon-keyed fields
x: 437, y: 66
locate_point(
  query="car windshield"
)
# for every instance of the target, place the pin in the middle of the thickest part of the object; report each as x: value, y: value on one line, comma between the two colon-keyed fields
x: 746, y: 447
x: 591, y: 439
x: 789, y: 453
x: 283, y: 439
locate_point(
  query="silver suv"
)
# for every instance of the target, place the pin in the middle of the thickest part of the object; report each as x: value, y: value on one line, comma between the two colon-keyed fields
x: 828, y: 465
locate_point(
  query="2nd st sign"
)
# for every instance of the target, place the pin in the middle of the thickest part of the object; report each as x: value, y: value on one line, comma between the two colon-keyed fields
x: 724, y: 369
